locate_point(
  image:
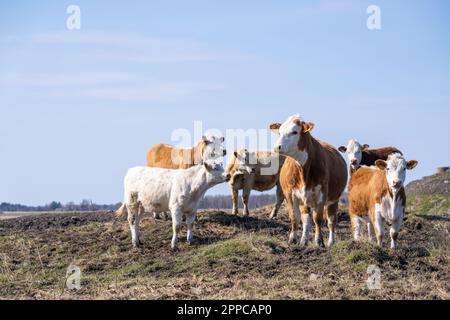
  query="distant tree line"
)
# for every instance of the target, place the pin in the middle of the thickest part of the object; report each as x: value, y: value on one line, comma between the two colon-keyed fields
x: 224, y: 201
x: 84, y: 205
x: 208, y: 202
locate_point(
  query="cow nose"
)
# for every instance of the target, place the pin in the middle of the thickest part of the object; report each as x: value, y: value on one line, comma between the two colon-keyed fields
x: 228, y: 177
x: 224, y: 152
x: 397, y: 184
x: 353, y: 161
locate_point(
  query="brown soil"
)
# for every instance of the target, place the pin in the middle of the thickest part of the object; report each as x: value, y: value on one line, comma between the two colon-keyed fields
x: 234, y: 258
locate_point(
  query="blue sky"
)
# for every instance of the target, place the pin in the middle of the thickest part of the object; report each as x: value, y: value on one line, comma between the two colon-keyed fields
x: 80, y: 107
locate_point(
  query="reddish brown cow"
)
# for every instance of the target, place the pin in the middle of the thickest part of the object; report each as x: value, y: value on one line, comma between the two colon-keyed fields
x: 169, y: 157
x: 378, y: 193
x: 313, y: 175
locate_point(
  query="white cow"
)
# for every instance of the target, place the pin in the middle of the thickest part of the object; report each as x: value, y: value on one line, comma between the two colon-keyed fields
x: 176, y: 190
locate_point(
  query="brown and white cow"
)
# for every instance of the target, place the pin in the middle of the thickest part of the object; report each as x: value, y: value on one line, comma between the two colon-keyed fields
x: 378, y: 192
x: 169, y: 157
x: 254, y: 170
x: 361, y: 155
x: 313, y: 175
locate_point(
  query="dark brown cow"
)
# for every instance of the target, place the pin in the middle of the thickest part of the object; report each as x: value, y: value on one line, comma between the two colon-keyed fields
x: 313, y: 175
x: 361, y: 155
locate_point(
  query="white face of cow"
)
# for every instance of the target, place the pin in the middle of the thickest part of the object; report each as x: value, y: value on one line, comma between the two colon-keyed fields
x: 354, y: 152
x: 289, y: 135
x: 246, y: 163
x: 215, y: 173
x: 214, y: 148
x: 395, y: 167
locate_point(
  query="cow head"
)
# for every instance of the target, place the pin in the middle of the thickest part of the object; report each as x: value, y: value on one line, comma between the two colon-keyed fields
x: 213, y: 147
x: 245, y: 162
x: 215, y: 173
x: 354, y: 152
x: 395, y: 168
x: 290, y: 134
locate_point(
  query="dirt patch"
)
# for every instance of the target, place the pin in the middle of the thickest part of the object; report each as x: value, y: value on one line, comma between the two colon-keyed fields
x: 233, y: 257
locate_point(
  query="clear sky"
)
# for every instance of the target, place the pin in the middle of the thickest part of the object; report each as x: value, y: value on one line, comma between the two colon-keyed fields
x: 77, y: 108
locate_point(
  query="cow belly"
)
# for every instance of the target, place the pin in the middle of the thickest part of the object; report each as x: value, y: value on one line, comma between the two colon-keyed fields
x: 309, y: 197
x: 264, y: 183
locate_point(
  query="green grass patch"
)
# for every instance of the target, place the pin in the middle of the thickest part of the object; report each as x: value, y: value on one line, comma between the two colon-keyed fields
x: 428, y: 204
x: 359, y: 253
x: 228, y: 254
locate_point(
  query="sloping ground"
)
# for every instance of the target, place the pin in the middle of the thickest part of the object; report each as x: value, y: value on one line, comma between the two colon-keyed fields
x: 430, y: 194
x: 430, y: 185
x: 235, y: 257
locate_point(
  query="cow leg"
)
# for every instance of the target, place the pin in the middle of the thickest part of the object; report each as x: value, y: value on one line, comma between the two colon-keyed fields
x: 332, y: 221
x: 370, y: 231
x: 245, y: 197
x: 234, y: 199
x: 176, y: 226
x: 293, y: 215
x: 395, y: 228
x: 306, y: 223
x: 280, y: 199
x: 356, y: 226
x: 190, y: 218
x: 133, y: 221
x: 318, y: 218
x: 377, y: 222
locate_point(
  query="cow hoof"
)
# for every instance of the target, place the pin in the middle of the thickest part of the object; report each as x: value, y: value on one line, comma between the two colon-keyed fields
x: 156, y: 216
x: 137, y: 245
x: 292, y: 239
x: 234, y: 213
x: 246, y: 214
x: 303, y: 243
x: 319, y: 243
x: 273, y: 215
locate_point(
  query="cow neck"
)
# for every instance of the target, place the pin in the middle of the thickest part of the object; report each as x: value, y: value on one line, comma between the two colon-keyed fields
x: 393, y: 197
x: 305, y: 150
x: 196, y: 153
x: 199, y: 185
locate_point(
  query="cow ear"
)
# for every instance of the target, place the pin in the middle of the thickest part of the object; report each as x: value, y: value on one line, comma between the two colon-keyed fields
x: 365, y: 147
x: 307, y: 127
x: 275, y: 127
x: 381, y: 164
x: 205, y: 139
x: 342, y: 149
x: 411, y: 164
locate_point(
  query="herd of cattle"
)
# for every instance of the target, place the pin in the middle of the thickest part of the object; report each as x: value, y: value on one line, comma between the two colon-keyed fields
x: 310, y: 174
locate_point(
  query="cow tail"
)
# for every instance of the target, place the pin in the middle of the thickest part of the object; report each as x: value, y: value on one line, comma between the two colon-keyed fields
x: 121, y: 212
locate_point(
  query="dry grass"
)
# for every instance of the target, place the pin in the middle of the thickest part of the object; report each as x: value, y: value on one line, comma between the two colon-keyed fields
x: 234, y: 258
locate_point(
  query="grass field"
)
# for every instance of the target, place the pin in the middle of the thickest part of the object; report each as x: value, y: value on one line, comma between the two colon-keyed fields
x: 234, y: 258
